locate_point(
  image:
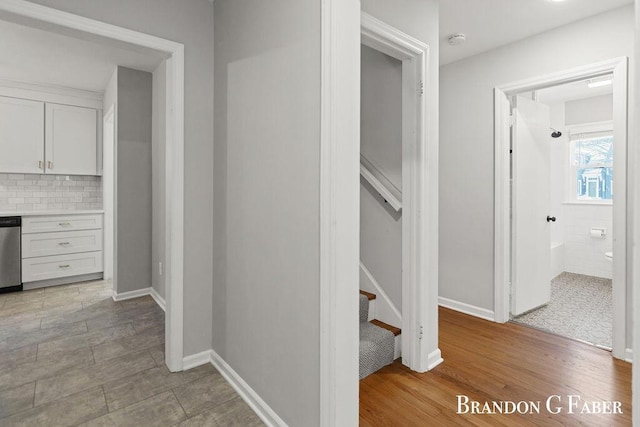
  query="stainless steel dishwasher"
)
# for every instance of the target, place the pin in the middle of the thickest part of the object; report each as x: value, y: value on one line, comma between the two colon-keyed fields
x: 10, y: 254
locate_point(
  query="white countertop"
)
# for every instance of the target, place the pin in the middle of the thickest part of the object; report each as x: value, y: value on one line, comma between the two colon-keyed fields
x: 52, y: 212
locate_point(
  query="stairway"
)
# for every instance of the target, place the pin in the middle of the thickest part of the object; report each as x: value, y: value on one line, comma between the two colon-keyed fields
x: 378, y: 345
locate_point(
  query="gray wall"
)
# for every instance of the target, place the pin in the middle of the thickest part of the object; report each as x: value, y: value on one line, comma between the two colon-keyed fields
x: 158, y: 158
x: 381, y: 144
x: 191, y: 23
x: 466, y: 144
x: 133, y: 169
x: 266, y: 193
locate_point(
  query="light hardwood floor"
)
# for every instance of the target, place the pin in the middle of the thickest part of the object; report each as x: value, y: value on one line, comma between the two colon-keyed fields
x: 70, y: 355
x: 497, y: 362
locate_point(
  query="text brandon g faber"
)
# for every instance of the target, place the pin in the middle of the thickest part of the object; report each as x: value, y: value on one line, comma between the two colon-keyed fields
x: 554, y: 404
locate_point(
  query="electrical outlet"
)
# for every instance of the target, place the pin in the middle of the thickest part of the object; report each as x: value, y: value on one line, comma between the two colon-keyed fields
x: 160, y: 268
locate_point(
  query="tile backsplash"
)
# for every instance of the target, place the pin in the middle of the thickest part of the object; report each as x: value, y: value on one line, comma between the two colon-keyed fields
x: 25, y: 192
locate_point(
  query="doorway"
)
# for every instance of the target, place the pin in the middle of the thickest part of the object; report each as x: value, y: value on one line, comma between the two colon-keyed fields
x: 524, y: 221
x: 418, y: 200
x: 40, y: 16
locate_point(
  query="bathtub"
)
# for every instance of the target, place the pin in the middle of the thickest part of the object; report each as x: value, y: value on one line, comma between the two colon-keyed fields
x: 557, y: 258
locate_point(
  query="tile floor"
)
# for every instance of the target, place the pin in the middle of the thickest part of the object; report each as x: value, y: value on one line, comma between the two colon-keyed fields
x: 70, y: 355
x: 580, y: 308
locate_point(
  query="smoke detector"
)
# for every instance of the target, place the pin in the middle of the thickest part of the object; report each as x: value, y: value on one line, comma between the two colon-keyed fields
x: 457, y: 39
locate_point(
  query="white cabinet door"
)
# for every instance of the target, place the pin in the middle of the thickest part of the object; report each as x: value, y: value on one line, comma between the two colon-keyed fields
x: 21, y: 135
x: 71, y: 140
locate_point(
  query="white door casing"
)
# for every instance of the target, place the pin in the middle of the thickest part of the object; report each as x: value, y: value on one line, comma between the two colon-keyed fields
x: 531, y: 232
x: 420, y: 350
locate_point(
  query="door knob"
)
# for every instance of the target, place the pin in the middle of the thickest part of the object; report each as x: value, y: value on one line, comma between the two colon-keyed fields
x: 551, y: 218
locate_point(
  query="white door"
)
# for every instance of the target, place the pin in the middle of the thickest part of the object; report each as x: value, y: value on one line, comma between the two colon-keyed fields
x: 21, y: 135
x: 71, y: 141
x: 531, y: 231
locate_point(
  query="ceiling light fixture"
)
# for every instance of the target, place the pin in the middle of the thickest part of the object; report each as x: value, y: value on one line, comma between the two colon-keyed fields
x: 599, y: 83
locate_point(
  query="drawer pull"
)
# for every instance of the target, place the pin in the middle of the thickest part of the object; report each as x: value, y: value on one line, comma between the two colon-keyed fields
x: 64, y: 266
x: 64, y: 224
x: 64, y: 243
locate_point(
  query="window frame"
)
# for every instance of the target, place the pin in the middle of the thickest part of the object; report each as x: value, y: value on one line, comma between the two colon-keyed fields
x: 571, y: 180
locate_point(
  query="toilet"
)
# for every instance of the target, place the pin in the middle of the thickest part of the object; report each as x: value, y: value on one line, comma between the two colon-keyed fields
x: 608, y: 256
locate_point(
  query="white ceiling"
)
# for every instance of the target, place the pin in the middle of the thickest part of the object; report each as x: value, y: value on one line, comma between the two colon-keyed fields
x: 38, y: 56
x: 492, y: 23
x: 571, y: 91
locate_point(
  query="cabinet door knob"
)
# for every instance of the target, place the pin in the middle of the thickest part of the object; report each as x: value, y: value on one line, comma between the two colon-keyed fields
x: 50, y: 165
x: 39, y: 164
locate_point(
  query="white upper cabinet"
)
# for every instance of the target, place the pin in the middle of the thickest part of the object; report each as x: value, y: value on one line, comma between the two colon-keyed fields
x: 71, y: 140
x: 22, y: 136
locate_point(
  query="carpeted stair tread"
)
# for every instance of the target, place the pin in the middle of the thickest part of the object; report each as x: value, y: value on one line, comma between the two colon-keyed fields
x: 376, y: 343
x: 394, y: 330
x: 376, y: 348
x: 369, y: 295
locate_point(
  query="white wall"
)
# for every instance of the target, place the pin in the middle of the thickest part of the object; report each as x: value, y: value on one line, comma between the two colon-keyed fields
x: 190, y: 23
x: 635, y: 162
x: 381, y: 144
x: 466, y: 143
x: 110, y: 132
x: 266, y: 308
x: 158, y: 158
x: 589, y: 110
x: 582, y: 253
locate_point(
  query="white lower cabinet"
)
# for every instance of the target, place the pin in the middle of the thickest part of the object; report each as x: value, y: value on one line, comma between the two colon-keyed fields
x: 55, y: 247
x: 55, y: 267
x: 62, y: 243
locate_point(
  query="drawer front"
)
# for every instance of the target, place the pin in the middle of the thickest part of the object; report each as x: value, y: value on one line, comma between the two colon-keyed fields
x: 46, y: 224
x: 64, y: 242
x: 54, y: 267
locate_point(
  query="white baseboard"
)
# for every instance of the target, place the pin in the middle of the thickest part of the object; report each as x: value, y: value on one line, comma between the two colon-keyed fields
x: 197, y: 359
x: 434, y: 359
x: 140, y: 293
x: 465, y: 308
x: 158, y: 299
x: 131, y: 294
x: 259, y: 406
x: 628, y: 355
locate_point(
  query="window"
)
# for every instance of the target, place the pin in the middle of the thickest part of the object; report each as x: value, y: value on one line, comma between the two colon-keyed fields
x: 591, y: 159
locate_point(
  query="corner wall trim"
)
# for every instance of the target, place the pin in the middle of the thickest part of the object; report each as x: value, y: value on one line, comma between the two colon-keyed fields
x: 628, y: 355
x: 158, y: 299
x: 465, y: 308
x: 434, y: 359
x: 259, y: 406
x: 195, y: 360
